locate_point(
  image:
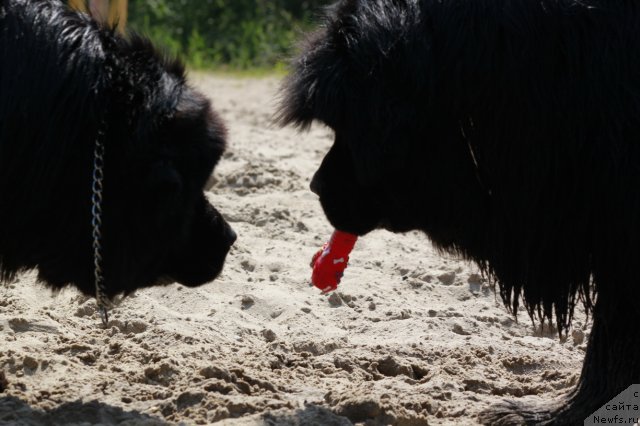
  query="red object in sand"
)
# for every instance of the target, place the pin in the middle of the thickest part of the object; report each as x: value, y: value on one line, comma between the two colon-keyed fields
x: 331, y: 260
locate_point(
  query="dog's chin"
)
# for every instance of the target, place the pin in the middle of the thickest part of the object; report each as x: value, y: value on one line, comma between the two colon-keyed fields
x: 397, y: 227
x: 164, y: 281
x: 354, y: 224
x: 197, y: 276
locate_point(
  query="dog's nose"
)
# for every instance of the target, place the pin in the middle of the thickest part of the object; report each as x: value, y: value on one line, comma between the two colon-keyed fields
x: 315, y: 184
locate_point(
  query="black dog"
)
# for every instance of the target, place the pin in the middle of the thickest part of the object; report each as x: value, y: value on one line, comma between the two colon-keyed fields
x: 65, y: 83
x: 508, y: 132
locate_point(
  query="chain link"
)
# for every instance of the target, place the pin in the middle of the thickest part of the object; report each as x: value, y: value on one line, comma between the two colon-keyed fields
x: 102, y: 300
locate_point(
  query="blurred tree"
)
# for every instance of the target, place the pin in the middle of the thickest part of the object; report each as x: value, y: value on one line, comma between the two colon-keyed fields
x: 240, y: 33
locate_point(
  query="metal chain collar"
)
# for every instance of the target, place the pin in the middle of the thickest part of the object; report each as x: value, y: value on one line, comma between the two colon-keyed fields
x: 102, y: 300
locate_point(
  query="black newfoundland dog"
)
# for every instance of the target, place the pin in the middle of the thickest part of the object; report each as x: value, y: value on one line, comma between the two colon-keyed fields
x: 507, y: 131
x: 66, y: 83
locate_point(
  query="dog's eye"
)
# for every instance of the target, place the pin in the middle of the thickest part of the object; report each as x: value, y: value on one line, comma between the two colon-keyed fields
x: 163, y: 193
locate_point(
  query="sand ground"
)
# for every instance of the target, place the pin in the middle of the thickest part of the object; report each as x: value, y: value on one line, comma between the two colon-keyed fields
x: 410, y: 338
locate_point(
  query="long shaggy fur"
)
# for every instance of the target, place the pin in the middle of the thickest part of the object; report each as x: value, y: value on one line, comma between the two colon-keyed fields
x: 508, y: 132
x: 64, y: 82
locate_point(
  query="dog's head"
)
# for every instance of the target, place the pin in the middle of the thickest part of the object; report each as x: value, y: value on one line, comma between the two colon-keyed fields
x: 159, y: 225
x: 162, y: 140
x: 352, y: 76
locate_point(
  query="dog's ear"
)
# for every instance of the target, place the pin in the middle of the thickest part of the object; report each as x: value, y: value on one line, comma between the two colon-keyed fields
x: 321, y: 76
x: 316, y: 86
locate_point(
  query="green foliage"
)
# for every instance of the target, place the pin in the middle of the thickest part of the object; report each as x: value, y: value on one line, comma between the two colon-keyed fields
x: 240, y: 34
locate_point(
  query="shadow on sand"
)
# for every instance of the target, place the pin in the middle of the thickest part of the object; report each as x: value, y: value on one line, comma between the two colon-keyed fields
x: 16, y: 412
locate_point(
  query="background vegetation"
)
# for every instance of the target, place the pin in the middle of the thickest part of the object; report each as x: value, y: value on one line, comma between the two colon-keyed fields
x: 239, y: 34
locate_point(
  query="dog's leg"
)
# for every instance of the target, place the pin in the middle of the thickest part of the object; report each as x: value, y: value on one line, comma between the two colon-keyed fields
x: 612, y: 364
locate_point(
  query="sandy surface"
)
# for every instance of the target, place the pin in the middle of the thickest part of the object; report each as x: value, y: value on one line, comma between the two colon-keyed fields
x: 411, y: 338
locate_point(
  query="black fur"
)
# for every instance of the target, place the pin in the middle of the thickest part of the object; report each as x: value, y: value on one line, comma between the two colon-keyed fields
x: 508, y: 131
x: 63, y: 80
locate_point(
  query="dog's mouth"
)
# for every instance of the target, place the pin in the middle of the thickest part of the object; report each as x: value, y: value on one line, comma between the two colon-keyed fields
x: 350, y: 214
x: 200, y: 265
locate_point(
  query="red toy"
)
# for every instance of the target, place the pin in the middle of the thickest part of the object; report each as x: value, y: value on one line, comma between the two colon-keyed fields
x: 331, y: 260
